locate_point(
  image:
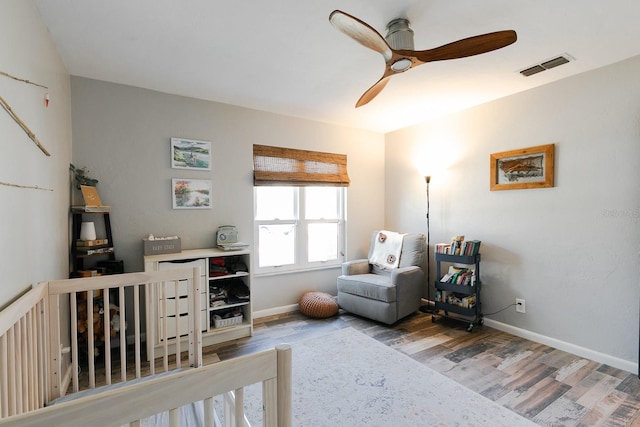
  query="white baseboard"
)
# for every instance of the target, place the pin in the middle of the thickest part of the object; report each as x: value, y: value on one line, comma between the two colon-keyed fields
x: 565, y: 346
x: 273, y: 311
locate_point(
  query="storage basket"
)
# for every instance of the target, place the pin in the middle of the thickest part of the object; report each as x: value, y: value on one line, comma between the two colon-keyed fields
x: 230, y: 321
x: 318, y: 304
x: 162, y: 246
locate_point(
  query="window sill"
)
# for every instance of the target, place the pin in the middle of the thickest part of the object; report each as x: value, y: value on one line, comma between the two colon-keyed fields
x: 297, y: 270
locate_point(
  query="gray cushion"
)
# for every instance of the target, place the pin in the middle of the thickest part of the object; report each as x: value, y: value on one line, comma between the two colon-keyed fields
x: 370, y: 286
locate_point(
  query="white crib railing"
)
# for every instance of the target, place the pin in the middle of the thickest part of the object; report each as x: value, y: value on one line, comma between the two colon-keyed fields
x: 23, y: 353
x: 130, y: 404
x: 125, y: 287
x: 40, y: 348
x: 40, y: 343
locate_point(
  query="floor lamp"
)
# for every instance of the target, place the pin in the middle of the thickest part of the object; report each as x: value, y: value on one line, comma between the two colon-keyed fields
x: 427, y: 308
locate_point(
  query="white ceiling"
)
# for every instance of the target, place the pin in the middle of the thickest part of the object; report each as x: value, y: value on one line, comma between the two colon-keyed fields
x: 283, y: 56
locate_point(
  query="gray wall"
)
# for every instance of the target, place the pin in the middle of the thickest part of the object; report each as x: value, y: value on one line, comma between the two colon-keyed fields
x: 572, y: 251
x: 34, y: 243
x: 122, y: 134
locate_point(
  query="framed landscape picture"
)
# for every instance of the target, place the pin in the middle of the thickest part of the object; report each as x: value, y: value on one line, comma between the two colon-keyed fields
x: 191, y: 193
x: 524, y: 168
x: 190, y: 154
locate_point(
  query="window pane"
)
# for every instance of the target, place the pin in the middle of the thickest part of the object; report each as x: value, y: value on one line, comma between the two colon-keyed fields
x: 276, y: 244
x: 323, y: 242
x: 321, y: 202
x: 275, y: 203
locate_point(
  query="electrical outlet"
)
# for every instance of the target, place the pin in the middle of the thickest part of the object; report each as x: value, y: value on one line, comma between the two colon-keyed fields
x: 520, y: 307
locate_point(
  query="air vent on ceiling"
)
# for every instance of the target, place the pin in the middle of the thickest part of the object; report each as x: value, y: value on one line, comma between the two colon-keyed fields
x: 546, y: 65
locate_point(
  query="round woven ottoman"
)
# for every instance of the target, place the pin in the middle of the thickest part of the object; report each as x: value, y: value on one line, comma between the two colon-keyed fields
x: 318, y: 304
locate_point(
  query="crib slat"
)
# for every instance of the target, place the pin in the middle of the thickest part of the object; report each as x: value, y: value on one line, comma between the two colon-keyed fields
x: 33, y: 384
x: 195, y: 338
x: 153, y: 292
x: 4, y: 378
x: 107, y: 334
x: 136, y: 327
x: 269, y: 402
x: 229, y: 412
x: 209, y: 420
x: 41, y: 326
x: 178, y: 318
x: 74, y: 342
x: 91, y: 341
x: 13, y: 405
x: 174, y: 417
x: 53, y: 349
x: 24, y: 341
x: 165, y: 346
x: 123, y: 336
x: 19, y: 386
x: 284, y: 378
x: 239, y: 407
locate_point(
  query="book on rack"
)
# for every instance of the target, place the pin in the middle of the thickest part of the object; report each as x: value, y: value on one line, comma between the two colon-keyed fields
x: 89, y: 251
x: 459, y: 246
x: 459, y: 276
x: 91, y: 243
x: 443, y: 248
x: 470, y: 247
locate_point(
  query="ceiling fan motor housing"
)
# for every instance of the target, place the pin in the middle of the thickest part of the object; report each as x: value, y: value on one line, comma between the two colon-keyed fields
x: 399, y: 34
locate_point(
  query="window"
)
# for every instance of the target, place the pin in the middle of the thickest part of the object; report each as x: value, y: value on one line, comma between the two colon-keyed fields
x: 298, y: 228
x: 299, y: 205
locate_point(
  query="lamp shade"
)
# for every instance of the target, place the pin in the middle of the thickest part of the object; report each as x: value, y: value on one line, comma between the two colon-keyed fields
x: 87, y: 231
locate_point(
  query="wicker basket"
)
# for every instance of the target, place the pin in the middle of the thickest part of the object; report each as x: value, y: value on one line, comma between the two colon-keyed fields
x: 230, y: 321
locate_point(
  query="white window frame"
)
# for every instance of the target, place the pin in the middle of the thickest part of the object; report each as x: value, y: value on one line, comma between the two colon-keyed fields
x: 301, y: 242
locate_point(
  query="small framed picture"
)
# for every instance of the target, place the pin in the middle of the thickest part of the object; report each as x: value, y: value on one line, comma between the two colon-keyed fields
x: 191, y: 193
x: 190, y: 154
x: 524, y: 168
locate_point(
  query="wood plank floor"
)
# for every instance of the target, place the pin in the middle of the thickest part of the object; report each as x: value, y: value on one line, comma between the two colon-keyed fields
x: 548, y: 386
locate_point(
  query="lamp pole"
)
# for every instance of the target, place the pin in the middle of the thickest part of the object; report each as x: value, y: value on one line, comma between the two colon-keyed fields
x: 427, y: 308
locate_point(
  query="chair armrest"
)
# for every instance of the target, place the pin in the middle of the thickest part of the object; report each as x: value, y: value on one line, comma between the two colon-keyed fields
x: 399, y: 275
x: 410, y: 285
x: 356, y: 266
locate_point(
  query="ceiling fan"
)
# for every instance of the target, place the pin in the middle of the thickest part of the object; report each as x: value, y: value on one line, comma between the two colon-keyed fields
x: 397, y: 48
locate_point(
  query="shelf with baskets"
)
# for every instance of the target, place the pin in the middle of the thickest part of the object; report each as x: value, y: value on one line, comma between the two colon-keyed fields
x: 225, y: 292
x: 458, y: 289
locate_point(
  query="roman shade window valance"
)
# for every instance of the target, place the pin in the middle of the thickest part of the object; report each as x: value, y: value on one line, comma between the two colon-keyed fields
x: 291, y: 167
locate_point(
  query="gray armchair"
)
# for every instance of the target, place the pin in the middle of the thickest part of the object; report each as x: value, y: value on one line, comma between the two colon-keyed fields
x: 385, y: 295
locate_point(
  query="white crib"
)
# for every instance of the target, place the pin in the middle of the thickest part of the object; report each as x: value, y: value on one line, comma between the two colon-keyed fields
x: 41, y: 341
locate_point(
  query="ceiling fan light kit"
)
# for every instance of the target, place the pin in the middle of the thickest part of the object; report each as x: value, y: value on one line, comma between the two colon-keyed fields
x: 398, y: 50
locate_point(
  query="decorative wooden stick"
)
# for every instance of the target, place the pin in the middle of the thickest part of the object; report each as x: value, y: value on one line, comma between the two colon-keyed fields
x: 23, y: 126
x: 2, y: 73
x: 33, y: 187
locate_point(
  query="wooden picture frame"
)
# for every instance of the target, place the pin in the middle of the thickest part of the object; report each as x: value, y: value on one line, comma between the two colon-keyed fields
x: 191, y: 193
x: 523, y: 168
x: 190, y: 154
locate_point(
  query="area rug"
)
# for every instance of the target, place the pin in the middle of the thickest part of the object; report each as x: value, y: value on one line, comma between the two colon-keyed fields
x: 348, y: 379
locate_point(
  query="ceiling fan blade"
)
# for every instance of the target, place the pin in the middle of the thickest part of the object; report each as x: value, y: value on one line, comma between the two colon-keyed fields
x: 468, y: 47
x: 373, y: 91
x: 361, y: 32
